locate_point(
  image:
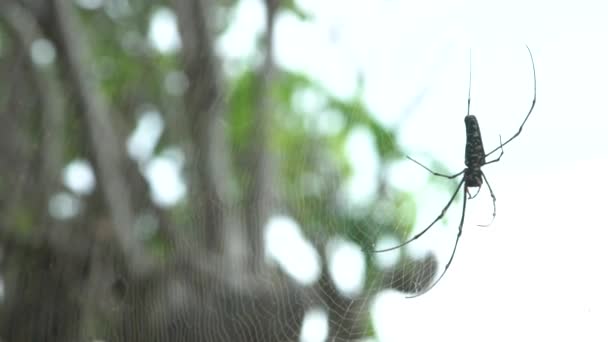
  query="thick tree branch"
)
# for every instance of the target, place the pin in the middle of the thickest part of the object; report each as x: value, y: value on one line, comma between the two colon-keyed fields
x: 209, y: 169
x: 107, y: 148
x: 26, y: 30
x: 262, y: 195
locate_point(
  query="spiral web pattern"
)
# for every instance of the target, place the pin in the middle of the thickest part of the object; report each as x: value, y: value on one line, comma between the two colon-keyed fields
x: 269, y: 237
x: 262, y: 225
x: 331, y: 201
x: 320, y: 277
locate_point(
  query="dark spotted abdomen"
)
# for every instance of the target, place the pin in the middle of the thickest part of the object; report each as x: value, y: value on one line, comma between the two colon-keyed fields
x: 474, y: 154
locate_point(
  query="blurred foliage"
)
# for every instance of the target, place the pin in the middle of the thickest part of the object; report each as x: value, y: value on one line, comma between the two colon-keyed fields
x: 133, y: 75
x: 312, y: 162
x: 312, y: 159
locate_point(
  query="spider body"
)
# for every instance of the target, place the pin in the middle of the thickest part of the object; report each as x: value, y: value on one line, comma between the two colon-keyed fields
x: 473, y: 178
x: 472, y: 175
x: 474, y: 154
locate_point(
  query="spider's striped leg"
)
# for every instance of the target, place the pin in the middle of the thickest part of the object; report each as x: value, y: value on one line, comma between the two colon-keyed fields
x: 484, y: 177
x: 464, y: 206
x: 529, y: 112
x: 433, y: 172
x: 502, y: 151
x: 429, y: 226
x: 477, y: 193
x: 493, y: 201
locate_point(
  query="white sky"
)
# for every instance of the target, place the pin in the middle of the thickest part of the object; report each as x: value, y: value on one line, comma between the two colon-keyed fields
x: 536, y: 273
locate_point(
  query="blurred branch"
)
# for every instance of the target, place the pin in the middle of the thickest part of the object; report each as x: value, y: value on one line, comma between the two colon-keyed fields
x: 347, y: 316
x: 411, y: 277
x: 26, y: 31
x: 17, y: 167
x: 209, y: 169
x: 107, y: 149
x: 25, y: 28
x: 261, y: 196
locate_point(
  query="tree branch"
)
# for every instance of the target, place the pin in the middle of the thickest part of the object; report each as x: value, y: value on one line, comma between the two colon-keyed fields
x: 107, y: 149
x: 209, y: 169
x: 26, y: 30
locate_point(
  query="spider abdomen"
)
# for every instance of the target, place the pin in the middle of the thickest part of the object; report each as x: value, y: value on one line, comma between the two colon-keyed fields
x: 473, y: 178
x: 474, y: 154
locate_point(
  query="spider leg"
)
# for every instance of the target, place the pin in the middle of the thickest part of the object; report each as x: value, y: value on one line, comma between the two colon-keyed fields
x: 433, y: 172
x: 428, y: 227
x: 464, y: 206
x: 529, y: 112
x: 469, y: 100
x: 477, y: 193
x: 493, y: 202
x: 502, y: 151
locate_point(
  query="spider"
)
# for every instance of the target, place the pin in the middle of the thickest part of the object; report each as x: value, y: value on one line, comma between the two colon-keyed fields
x: 473, y: 176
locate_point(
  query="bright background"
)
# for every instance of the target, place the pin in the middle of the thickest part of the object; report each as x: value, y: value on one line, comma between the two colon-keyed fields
x: 537, y: 272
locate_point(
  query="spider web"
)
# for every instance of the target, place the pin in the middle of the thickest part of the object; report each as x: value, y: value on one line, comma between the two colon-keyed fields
x: 127, y: 215
x: 333, y: 211
x: 274, y: 238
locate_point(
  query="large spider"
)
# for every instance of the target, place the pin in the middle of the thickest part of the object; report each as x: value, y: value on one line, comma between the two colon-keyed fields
x: 473, y: 176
